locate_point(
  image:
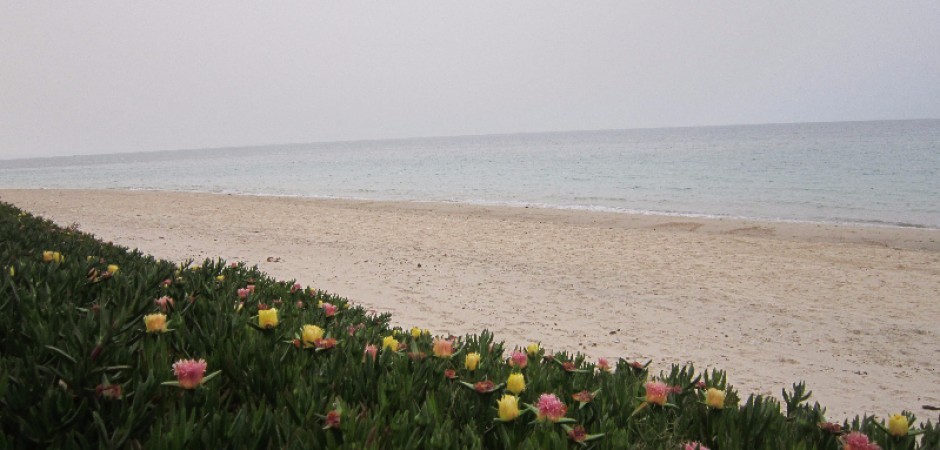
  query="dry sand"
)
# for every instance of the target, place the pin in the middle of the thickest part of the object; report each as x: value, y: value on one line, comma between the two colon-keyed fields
x: 853, y: 311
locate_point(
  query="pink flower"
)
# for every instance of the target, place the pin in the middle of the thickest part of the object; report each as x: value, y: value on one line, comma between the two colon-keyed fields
x: 700, y: 385
x: 656, y: 392
x: 443, y: 348
x: 333, y: 419
x: 189, y: 372
x: 109, y: 391
x: 296, y: 287
x: 694, y: 445
x: 370, y: 350
x: 162, y: 302
x: 578, y: 434
x: 251, y: 288
x: 243, y: 293
x: 603, y: 365
x: 583, y: 396
x: 300, y: 304
x: 484, y: 387
x: 550, y: 408
x: 859, y: 441
x: 329, y: 309
x: 675, y: 389
x: 450, y: 374
x: 166, y: 283
x: 519, y: 360
x: 326, y: 343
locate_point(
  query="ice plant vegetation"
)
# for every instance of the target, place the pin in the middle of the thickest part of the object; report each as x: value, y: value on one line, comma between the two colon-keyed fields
x: 515, y: 383
x: 371, y: 351
x: 715, y: 398
x: 898, y: 425
x: 518, y: 360
x: 155, y: 323
x: 267, y: 318
x: 550, y: 408
x: 84, y: 374
x: 656, y: 392
x: 51, y: 256
x: 443, y: 348
x: 390, y: 343
x: 164, y: 303
x: 532, y: 349
x: 189, y: 372
x: 859, y: 441
x: 311, y: 334
x: 471, y: 361
x: 508, y: 408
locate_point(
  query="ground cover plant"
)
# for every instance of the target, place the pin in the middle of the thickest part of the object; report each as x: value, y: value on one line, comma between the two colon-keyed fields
x: 102, y: 347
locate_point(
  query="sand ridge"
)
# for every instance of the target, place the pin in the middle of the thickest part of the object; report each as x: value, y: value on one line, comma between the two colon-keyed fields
x: 851, y: 310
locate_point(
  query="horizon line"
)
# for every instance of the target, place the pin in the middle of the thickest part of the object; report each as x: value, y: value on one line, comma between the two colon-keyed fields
x: 438, y: 136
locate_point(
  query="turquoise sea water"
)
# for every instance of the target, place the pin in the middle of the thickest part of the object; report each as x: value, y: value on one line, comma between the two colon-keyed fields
x: 880, y: 173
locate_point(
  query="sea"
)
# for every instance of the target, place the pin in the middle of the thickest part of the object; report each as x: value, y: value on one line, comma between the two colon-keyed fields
x: 879, y: 173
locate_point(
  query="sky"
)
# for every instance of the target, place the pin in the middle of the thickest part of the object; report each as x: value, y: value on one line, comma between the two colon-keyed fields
x: 105, y: 77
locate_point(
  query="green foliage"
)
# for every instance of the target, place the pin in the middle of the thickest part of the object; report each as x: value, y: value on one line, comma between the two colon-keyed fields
x: 79, y: 370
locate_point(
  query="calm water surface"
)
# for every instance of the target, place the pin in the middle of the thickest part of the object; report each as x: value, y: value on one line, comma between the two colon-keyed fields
x: 882, y: 173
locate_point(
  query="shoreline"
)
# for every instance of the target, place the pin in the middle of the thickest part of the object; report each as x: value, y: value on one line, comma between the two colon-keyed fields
x: 884, y: 234
x: 574, y: 209
x: 837, y: 306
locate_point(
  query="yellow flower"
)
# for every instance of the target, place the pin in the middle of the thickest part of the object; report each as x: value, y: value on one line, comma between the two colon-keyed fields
x: 508, y: 408
x: 715, y: 398
x: 415, y: 332
x: 89, y: 258
x: 898, y: 425
x: 267, y: 318
x: 113, y: 268
x: 220, y: 278
x: 532, y: 349
x: 515, y: 383
x: 319, y: 303
x: 390, y: 343
x: 12, y: 271
x: 471, y: 361
x: 156, y: 323
x: 196, y: 267
x: 311, y: 335
x: 51, y: 256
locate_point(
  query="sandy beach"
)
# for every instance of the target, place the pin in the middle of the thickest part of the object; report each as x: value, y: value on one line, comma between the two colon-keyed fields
x: 853, y: 311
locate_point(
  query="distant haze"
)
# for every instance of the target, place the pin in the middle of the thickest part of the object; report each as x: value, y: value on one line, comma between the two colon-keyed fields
x: 104, y: 77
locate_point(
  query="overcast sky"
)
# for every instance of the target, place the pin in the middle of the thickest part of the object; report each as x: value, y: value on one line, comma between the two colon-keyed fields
x: 103, y: 77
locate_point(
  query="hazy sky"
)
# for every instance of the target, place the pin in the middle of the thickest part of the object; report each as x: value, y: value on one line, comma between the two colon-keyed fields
x: 102, y: 77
